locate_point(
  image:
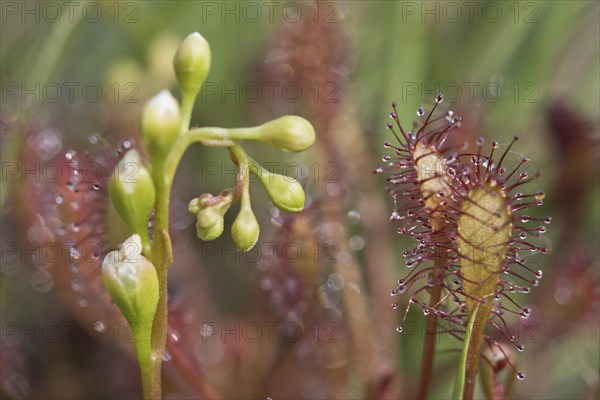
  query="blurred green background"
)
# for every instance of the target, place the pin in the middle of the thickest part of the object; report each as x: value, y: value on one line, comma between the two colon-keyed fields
x: 530, y: 67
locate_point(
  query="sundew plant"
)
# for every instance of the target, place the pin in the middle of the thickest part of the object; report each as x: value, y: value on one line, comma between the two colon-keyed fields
x: 196, y: 203
x: 462, y: 211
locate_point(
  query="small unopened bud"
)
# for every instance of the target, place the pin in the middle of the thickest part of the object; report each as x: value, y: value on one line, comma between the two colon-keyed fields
x: 132, y: 192
x: 207, y: 217
x: 245, y: 229
x: 288, y: 133
x: 161, y: 119
x: 210, y: 223
x: 195, y: 206
x: 210, y: 232
x: 131, y: 280
x: 210, y: 214
x: 192, y: 63
x: 286, y: 193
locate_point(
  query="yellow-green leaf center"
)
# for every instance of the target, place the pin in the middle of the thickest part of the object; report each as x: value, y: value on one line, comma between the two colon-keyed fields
x: 432, y: 172
x: 484, y: 230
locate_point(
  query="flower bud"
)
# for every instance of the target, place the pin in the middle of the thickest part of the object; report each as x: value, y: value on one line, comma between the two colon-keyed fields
x: 210, y: 224
x: 131, y: 280
x: 288, y: 133
x: 286, y: 193
x: 195, y: 206
x: 245, y: 229
x: 192, y: 63
x: 207, y: 217
x: 210, y: 212
x: 160, y: 124
x: 132, y: 192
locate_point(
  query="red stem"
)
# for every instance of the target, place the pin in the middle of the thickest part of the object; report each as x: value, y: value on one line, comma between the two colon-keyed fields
x: 440, y: 259
x: 188, y: 372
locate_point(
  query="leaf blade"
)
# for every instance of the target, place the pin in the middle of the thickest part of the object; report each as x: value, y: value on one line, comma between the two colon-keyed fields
x: 459, y: 383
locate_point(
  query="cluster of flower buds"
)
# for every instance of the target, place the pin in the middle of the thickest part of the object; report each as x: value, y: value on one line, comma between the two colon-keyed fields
x: 287, y: 133
x: 137, y: 190
x: 286, y: 194
x: 164, y: 121
x: 210, y: 211
x: 162, y: 117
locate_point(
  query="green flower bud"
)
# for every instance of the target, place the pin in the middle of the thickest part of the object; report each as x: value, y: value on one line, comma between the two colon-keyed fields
x: 131, y: 280
x: 161, y: 119
x: 207, y: 217
x: 245, y: 229
x: 286, y: 193
x: 288, y: 133
x: 192, y: 63
x: 132, y: 193
x: 210, y: 212
x: 210, y: 224
x: 195, y: 206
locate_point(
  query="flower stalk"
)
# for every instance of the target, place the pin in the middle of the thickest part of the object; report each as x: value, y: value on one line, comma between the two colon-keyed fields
x: 166, y: 135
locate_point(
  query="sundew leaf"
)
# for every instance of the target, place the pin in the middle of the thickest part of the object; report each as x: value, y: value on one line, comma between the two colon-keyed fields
x: 484, y: 233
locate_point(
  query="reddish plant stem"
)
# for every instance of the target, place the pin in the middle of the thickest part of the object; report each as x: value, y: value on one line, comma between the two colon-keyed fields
x: 474, y: 350
x: 429, y: 346
x: 440, y: 259
x: 189, y: 373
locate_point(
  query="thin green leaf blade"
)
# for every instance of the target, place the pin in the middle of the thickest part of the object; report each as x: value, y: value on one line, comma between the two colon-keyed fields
x: 459, y: 384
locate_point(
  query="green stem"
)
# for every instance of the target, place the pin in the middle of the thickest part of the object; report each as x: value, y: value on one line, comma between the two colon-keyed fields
x: 173, y: 158
x: 143, y: 347
x: 187, y: 106
x: 242, y: 157
x: 162, y: 253
x: 462, y: 390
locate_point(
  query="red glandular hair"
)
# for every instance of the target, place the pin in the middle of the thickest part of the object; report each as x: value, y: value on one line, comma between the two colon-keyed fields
x: 73, y: 210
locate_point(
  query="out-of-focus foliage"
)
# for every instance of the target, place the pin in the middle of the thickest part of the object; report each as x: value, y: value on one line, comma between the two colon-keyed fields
x: 533, y: 69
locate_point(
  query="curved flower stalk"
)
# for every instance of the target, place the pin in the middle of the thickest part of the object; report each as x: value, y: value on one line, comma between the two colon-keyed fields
x: 166, y: 135
x: 467, y: 219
